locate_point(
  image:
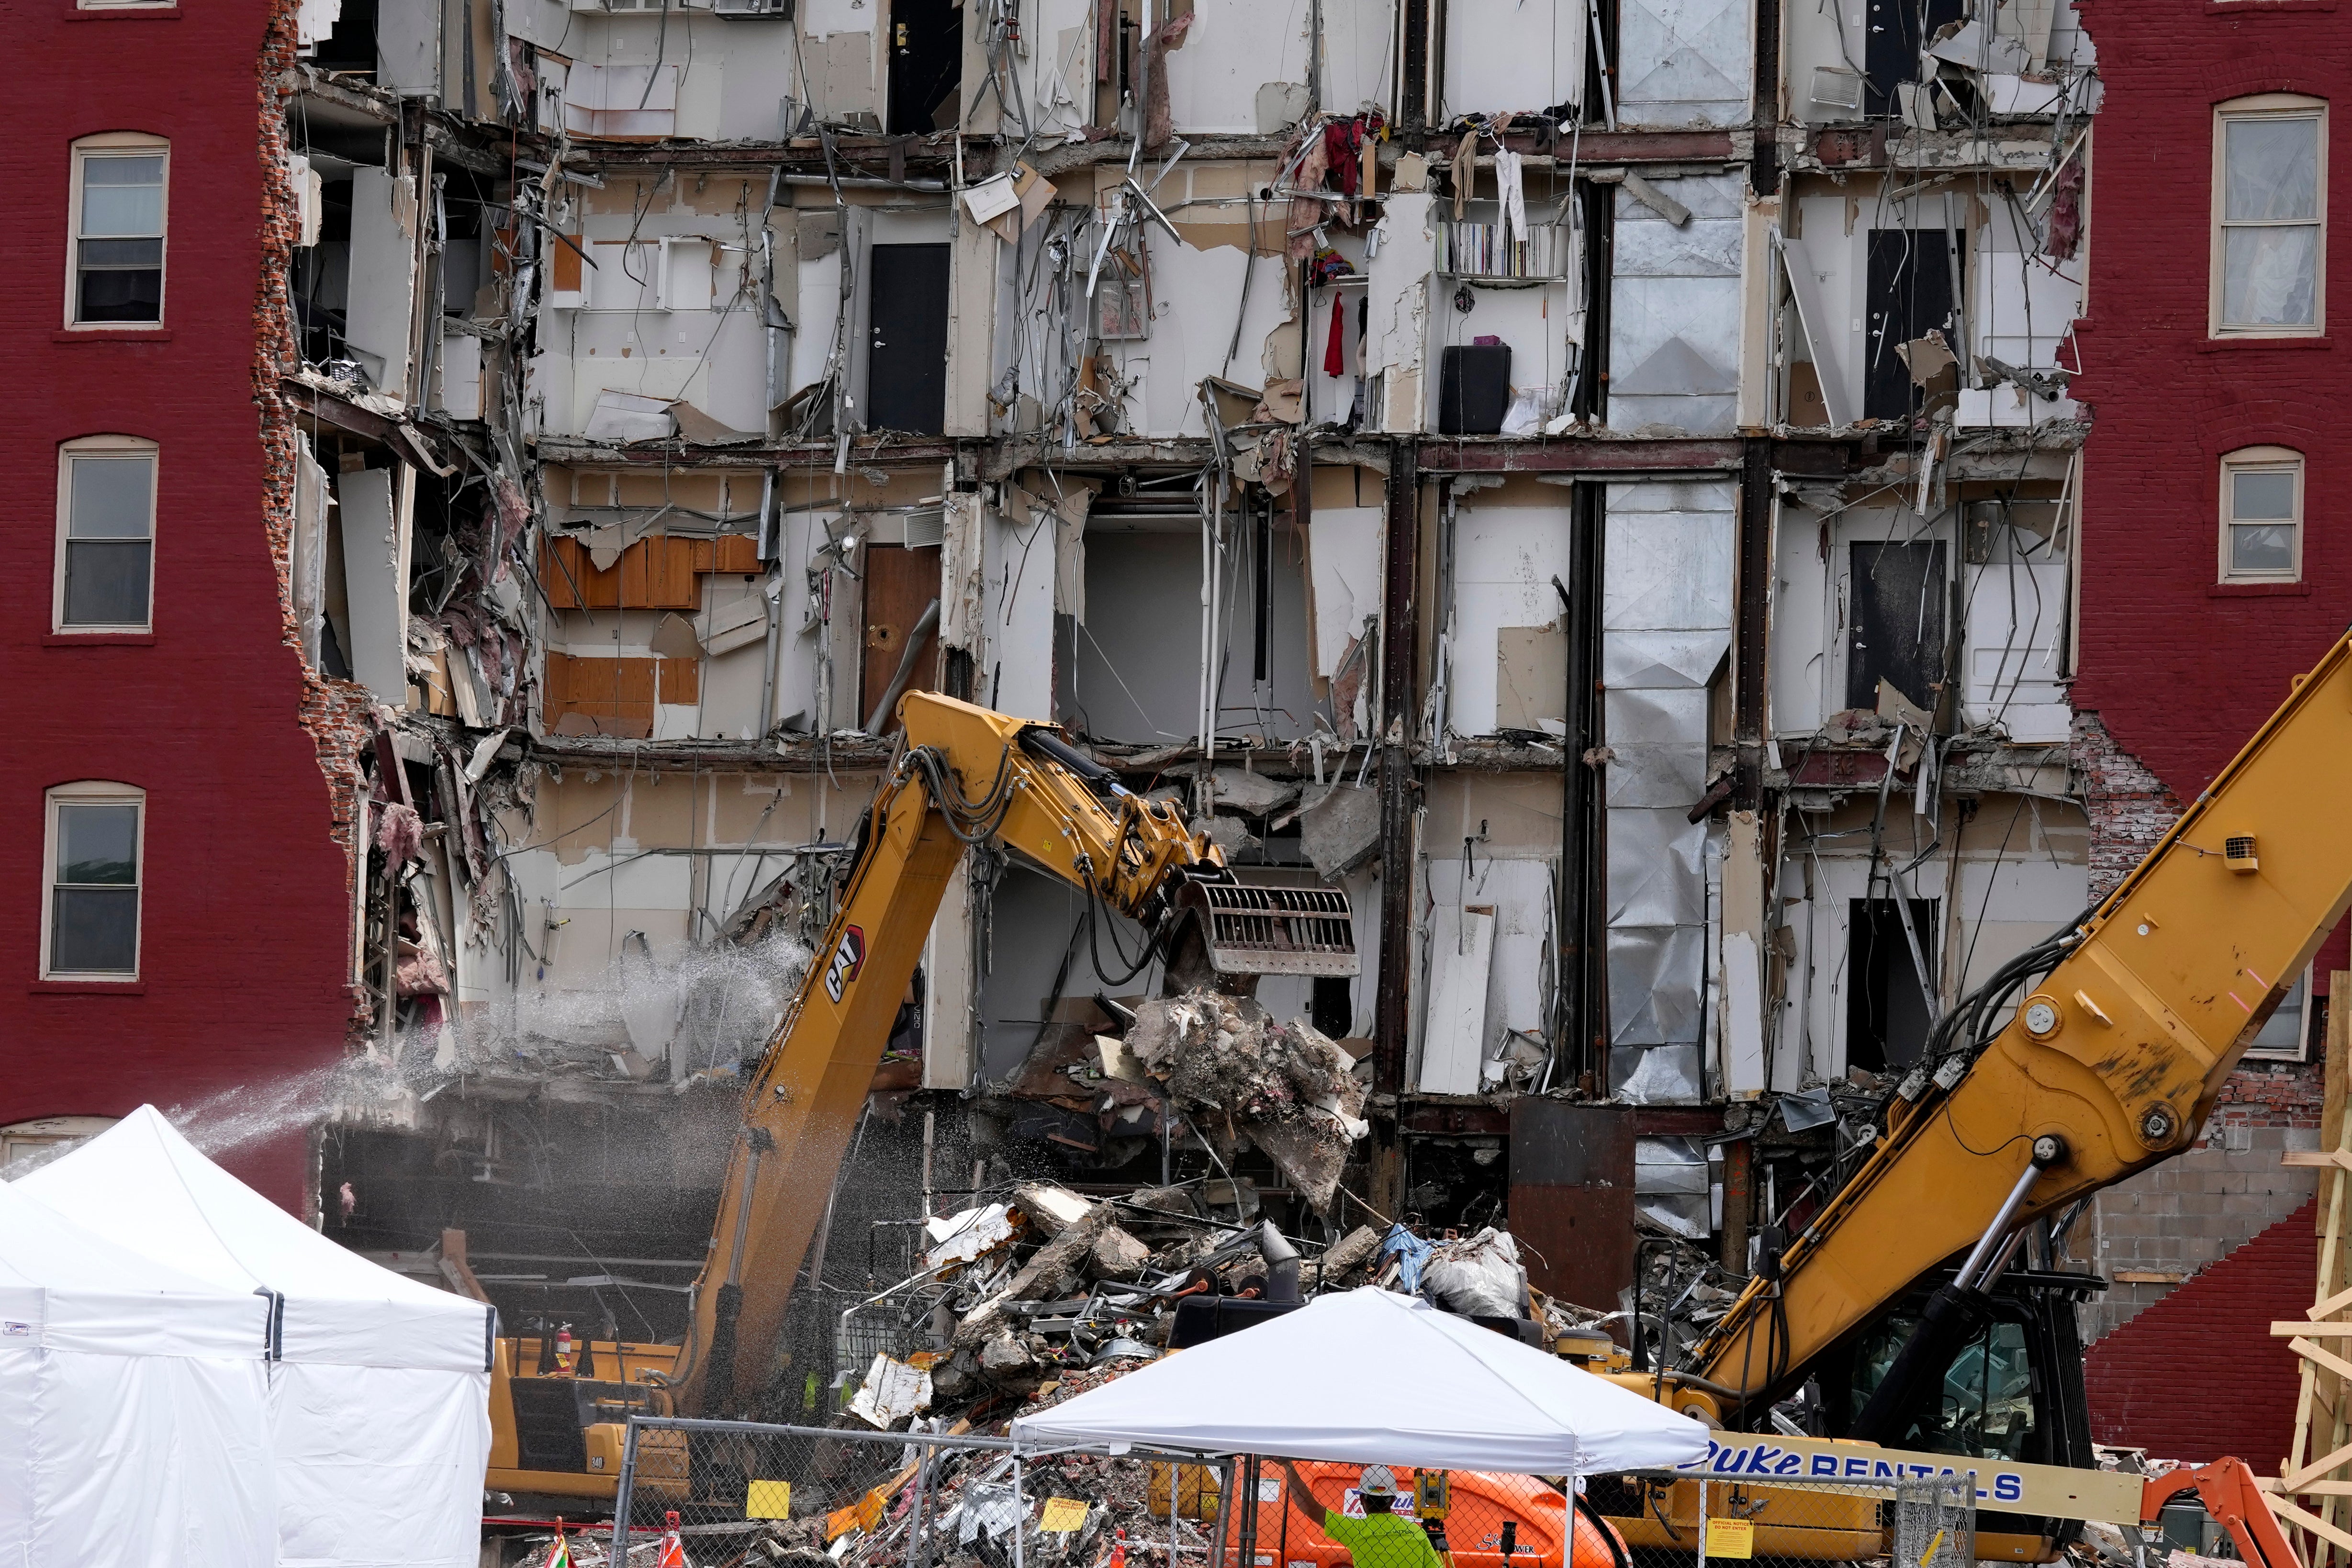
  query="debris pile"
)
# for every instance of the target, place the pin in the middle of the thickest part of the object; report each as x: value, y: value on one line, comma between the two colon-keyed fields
x: 1287, y: 1088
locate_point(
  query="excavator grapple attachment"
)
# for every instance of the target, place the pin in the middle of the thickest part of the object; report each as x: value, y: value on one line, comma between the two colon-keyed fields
x: 1274, y: 931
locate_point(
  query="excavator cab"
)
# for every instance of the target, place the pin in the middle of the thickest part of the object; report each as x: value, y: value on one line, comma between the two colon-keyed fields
x: 2013, y: 1390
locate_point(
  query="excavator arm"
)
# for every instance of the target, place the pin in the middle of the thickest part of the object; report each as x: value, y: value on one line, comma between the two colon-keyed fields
x: 2110, y: 1064
x: 963, y: 775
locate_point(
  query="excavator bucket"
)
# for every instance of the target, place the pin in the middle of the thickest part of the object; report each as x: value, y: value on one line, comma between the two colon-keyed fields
x: 1274, y: 931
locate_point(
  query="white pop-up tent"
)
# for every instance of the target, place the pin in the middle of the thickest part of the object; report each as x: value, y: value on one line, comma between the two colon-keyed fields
x: 1371, y: 1377
x: 379, y: 1393
x: 133, y: 1407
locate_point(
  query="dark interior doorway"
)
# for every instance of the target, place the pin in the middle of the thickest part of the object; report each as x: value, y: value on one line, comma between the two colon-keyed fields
x: 925, y: 66
x: 907, y: 357
x: 1886, y: 1016
x: 1894, y: 623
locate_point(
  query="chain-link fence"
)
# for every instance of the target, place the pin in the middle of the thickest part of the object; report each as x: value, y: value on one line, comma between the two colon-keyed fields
x: 723, y: 1494
x: 1667, y: 1518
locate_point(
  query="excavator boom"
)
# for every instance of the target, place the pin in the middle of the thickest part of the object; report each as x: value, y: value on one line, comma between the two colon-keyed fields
x: 962, y: 775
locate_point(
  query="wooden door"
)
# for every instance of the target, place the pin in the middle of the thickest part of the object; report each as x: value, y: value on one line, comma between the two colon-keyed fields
x: 900, y: 584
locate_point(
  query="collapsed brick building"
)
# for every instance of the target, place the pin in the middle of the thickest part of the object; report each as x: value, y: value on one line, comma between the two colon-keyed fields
x: 1608, y: 493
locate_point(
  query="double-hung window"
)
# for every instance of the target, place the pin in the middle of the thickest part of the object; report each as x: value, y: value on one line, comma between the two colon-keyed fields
x: 106, y: 536
x: 115, y: 273
x: 2270, y: 210
x: 90, y: 924
x: 2261, y: 515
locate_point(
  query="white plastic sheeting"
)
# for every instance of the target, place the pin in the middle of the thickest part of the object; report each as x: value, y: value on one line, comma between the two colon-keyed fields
x: 134, y: 1430
x: 1449, y: 1395
x: 378, y: 1408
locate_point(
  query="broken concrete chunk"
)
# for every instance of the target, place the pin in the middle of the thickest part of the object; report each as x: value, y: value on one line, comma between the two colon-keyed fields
x: 1339, y: 829
x: 1118, y: 1256
x: 1004, y: 1353
x: 1052, y: 1209
x: 1253, y: 795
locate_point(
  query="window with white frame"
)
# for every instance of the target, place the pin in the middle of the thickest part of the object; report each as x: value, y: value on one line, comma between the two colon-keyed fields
x: 2285, y: 1035
x: 92, y: 882
x: 2261, y: 515
x: 2270, y: 213
x: 106, y: 536
x: 114, y: 275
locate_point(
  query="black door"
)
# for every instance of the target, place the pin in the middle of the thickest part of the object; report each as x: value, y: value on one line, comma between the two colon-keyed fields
x: 907, y: 358
x: 1886, y: 1018
x: 1896, y: 624
x: 1910, y: 294
x: 1896, y: 31
x: 926, y: 65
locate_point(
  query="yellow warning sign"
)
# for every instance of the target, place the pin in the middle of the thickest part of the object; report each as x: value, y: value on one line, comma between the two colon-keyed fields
x: 1730, y: 1538
x: 1061, y: 1515
x: 769, y: 1499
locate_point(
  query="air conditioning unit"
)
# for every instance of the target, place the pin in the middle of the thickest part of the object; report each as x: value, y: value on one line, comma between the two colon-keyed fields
x: 1835, y: 86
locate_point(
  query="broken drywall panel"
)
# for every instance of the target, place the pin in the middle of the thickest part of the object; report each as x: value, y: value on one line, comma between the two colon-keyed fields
x: 1824, y: 333
x: 374, y: 510
x: 458, y: 376
x: 382, y: 286
x: 952, y: 988
x: 407, y: 46
x: 1232, y: 48
x: 1461, y: 947
x: 1801, y: 622
x: 1505, y: 558
x: 1019, y: 566
x: 1675, y: 309
x: 2016, y: 633
x: 1684, y: 62
x: 1521, y: 893
x: 971, y: 328
x: 1740, y: 1067
x: 1499, y: 54
x: 1531, y: 678
x: 1397, y: 309
x: 1357, y: 60
x: 314, y: 500
x: 1343, y: 557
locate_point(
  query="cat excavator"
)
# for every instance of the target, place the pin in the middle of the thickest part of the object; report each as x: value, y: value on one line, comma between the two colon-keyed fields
x: 1891, y: 1316
x: 962, y: 775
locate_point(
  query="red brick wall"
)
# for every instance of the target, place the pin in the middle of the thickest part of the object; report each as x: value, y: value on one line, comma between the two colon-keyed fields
x: 2180, y: 668
x: 245, y: 929
x: 2198, y: 1376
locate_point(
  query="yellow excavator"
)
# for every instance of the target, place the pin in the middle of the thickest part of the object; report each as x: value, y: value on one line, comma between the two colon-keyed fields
x: 962, y: 775
x: 1891, y: 1317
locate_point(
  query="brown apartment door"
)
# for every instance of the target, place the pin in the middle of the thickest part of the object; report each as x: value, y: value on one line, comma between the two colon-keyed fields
x: 900, y: 584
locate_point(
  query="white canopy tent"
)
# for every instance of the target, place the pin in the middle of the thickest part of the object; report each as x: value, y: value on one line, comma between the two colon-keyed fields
x: 379, y: 1400
x: 1371, y: 1377
x: 133, y: 1407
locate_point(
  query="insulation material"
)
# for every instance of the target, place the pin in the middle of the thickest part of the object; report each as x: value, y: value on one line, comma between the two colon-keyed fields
x: 1657, y: 744
x: 1667, y: 614
x: 1461, y: 953
x: 2016, y: 633
x: 383, y: 288
x: 1670, y: 1185
x: 1684, y: 62
x: 375, y: 514
x: 1501, y: 55
x: 1674, y: 307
